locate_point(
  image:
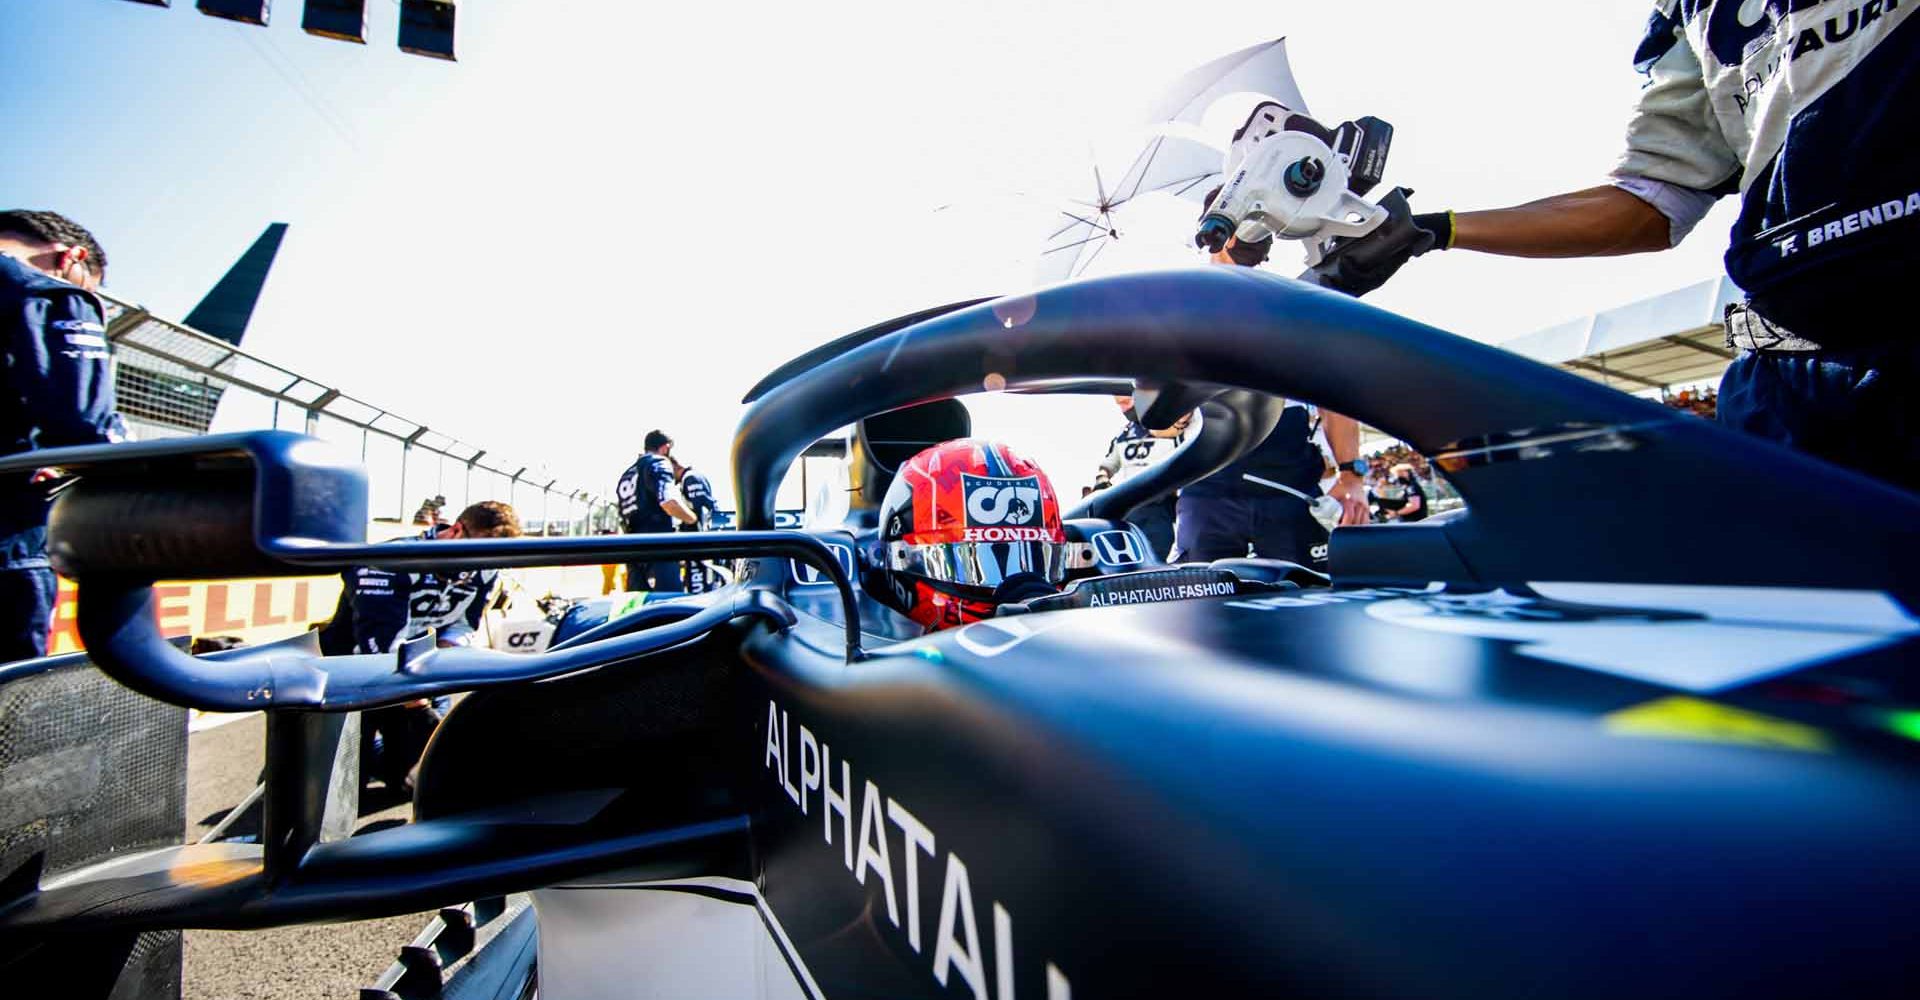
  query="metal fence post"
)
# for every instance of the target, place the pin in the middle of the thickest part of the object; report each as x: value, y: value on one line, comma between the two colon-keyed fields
x: 170, y: 380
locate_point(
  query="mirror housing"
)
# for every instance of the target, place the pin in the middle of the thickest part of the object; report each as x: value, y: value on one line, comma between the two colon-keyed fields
x: 198, y: 508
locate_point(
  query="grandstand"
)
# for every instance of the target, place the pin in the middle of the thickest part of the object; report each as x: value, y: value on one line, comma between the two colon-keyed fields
x: 1658, y: 348
x: 1647, y: 346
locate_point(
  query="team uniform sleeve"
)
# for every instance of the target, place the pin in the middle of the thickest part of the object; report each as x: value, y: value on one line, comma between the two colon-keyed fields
x: 1110, y: 465
x: 1677, y: 159
x: 477, y: 609
x: 380, y: 610
x: 704, y: 504
x: 60, y: 370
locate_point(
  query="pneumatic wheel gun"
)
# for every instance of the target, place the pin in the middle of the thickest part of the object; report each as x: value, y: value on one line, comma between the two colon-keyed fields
x: 1290, y: 177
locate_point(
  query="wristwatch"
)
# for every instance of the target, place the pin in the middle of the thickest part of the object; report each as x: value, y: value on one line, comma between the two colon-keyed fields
x: 1358, y: 466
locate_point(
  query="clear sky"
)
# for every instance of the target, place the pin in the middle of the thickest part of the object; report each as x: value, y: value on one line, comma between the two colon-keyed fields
x: 610, y: 216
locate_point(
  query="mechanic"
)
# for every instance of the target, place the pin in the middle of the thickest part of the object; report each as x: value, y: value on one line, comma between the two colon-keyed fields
x: 1263, y: 502
x: 1132, y: 451
x: 59, y: 392
x: 697, y: 491
x: 1412, y: 505
x: 648, y: 506
x: 967, y: 526
x: 1807, y: 111
x: 379, y: 609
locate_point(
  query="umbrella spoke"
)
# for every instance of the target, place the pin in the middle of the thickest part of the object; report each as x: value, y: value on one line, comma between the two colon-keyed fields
x: 1141, y: 164
x: 1088, y: 262
x: 1099, y: 237
x: 1195, y: 182
x: 1085, y: 221
x: 1184, y: 184
x: 1063, y: 230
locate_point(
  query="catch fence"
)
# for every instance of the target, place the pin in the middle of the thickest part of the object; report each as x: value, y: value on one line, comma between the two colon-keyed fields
x: 171, y: 380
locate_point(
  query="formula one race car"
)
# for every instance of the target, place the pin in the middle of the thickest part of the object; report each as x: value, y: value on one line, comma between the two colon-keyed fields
x: 1580, y: 740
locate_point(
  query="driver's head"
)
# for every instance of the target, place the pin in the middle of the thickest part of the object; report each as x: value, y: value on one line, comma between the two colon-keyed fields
x: 967, y: 526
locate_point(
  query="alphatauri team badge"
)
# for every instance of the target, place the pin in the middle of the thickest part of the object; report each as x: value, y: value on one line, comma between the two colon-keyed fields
x: 1001, y: 503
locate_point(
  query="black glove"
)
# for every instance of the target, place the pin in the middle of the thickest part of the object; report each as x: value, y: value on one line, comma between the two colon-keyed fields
x: 1440, y: 224
x: 1249, y: 254
x: 1361, y: 264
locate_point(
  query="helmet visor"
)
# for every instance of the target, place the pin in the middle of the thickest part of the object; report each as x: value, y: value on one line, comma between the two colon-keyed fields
x: 979, y: 564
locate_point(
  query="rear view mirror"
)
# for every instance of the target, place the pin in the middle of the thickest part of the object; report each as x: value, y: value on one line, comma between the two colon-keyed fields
x: 199, y: 508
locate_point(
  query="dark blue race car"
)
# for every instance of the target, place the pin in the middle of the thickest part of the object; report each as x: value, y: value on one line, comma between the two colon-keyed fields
x: 1583, y: 739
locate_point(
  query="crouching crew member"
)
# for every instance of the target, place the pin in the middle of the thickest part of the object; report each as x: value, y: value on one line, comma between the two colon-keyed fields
x: 379, y: 609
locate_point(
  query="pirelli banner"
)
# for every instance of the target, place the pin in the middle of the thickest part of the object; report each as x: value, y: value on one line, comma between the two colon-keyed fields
x: 254, y: 611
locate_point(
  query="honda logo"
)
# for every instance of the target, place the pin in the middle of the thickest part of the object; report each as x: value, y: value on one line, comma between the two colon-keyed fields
x: 1119, y: 548
x: 806, y: 574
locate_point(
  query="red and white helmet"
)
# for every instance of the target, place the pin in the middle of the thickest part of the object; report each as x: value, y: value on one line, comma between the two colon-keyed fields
x: 966, y: 526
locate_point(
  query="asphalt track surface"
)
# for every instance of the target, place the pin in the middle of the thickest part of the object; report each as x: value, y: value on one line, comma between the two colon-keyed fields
x: 291, y: 963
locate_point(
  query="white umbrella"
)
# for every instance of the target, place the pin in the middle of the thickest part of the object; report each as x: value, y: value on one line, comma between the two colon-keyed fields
x: 1258, y: 69
x: 1167, y: 164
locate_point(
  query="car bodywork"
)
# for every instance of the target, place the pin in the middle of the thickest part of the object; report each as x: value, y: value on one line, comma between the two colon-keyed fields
x: 1578, y: 739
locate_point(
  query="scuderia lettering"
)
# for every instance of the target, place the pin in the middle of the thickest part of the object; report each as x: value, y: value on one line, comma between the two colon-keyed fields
x: 805, y: 769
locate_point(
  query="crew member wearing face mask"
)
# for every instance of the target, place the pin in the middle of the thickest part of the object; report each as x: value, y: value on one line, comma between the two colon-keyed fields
x: 59, y: 391
x: 1412, y: 505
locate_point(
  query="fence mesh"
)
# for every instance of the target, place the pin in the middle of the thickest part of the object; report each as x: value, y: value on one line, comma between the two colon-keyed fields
x: 173, y: 381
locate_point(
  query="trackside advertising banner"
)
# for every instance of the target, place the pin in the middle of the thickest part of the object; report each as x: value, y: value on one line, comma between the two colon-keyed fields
x: 255, y: 611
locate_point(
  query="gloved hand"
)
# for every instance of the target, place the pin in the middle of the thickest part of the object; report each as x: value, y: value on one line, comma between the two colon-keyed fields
x: 1361, y: 264
x: 1440, y: 224
x: 1249, y: 254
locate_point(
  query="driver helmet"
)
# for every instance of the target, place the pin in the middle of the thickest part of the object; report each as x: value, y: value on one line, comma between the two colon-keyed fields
x: 969, y: 525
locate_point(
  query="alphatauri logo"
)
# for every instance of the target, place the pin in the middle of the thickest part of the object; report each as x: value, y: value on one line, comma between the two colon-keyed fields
x: 994, y: 502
